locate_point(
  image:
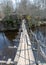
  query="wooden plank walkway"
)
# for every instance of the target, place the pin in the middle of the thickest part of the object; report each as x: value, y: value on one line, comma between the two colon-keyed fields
x: 24, y: 55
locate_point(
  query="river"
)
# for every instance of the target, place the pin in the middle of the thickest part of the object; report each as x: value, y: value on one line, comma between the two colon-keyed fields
x: 9, y: 38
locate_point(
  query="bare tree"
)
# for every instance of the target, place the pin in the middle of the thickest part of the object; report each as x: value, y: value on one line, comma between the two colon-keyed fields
x: 37, y: 8
x: 22, y: 9
x: 7, y: 7
x: 1, y: 11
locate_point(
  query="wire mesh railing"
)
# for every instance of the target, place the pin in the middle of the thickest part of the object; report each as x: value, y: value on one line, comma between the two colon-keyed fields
x: 39, y: 46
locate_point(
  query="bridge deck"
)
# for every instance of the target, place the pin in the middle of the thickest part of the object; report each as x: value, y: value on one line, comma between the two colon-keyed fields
x: 24, y: 54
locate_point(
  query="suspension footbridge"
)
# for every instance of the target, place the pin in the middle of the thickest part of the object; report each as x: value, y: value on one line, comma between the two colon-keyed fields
x: 25, y: 54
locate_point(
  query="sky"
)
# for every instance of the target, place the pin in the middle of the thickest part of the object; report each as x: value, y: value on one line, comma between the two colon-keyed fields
x: 16, y: 1
x: 19, y: 1
x: 13, y: 1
